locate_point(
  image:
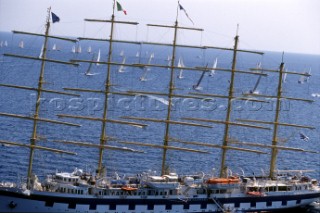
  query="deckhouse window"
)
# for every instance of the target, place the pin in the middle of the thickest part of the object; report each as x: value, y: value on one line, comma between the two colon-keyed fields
x: 168, y: 206
x: 150, y: 206
x: 112, y: 207
x: 132, y: 207
x: 49, y: 203
x: 71, y: 206
x: 186, y: 206
x: 92, y: 206
x: 203, y: 205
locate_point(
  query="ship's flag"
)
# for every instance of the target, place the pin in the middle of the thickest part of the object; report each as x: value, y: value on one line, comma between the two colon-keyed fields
x: 55, y: 18
x: 185, y: 12
x: 119, y: 8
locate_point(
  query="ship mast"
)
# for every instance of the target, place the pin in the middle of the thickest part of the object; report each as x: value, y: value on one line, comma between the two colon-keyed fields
x: 168, y: 121
x: 170, y: 93
x: 226, y: 130
x: 36, y: 114
x: 103, y: 138
x: 276, y: 123
x: 171, y: 90
x: 274, y: 152
x: 39, y: 90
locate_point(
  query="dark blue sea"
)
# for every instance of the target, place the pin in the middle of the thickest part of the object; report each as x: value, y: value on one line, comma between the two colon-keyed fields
x: 24, y: 72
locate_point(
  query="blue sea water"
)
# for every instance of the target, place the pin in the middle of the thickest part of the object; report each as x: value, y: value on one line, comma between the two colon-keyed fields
x: 14, y: 160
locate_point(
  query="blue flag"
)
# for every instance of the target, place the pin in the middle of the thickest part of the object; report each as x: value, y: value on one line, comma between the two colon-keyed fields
x: 55, y: 18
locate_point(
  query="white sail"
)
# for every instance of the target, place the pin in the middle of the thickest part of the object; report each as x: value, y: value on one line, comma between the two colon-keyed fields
x: 307, y: 78
x: 151, y: 57
x: 284, y: 76
x: 180, y: 65
x: 41, y: 52
x: 214, y: 67
x: 98, y: 58
x: 21, y: 44
x: 169, y: 61
x: 121, y: 68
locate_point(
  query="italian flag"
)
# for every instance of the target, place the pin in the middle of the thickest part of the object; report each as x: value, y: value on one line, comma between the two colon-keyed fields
x: 119, y: 8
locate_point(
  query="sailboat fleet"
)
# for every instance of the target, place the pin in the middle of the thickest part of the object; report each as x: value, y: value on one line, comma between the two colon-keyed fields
x: 148, y: 192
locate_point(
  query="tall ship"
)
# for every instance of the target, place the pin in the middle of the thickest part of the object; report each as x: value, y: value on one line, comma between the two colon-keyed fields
x: 86, y: 191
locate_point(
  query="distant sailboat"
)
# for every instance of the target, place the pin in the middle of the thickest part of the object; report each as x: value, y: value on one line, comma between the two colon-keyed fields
x: 197, y: 86
x: 214, y: 67
x: 146, y: 68
x: 21, y: 44
x: 180, y: 65
x: 121, y: 68
x: 305, y: 78
x: 98, y: 58
x: 88, y: 72
x: 254, y: 90
x: 89, y: 49
x: 54, y: 47
x: 79, y: 49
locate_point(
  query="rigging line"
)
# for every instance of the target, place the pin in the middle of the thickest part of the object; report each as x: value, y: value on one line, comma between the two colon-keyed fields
x: 204, y: 57
x: 147, y: 34
x: 201, y: 38
x: 136, y: 36
x: 84, y: 29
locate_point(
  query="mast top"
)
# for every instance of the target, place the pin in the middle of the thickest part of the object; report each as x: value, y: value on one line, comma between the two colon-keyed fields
x: 237, y: 32
x: 48, y: 16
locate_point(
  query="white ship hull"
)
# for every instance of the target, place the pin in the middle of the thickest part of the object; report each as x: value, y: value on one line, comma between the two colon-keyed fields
x: 14, y: 200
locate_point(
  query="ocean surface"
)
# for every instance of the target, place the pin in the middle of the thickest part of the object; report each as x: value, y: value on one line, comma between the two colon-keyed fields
x: 24, y: 72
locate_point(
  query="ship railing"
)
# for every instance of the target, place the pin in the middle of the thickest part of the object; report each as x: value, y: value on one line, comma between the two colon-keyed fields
x: 219, y: 205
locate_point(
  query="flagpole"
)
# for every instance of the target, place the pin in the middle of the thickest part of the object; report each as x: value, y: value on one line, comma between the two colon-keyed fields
x: 114, y: 6
x: 177, y: 11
